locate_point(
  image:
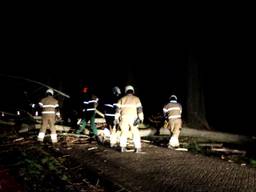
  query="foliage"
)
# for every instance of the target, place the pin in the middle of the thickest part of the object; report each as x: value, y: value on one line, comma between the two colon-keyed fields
x: 38, y: 170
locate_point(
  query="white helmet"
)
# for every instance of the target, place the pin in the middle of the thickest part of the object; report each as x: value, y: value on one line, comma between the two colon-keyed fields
x: 50, y: 91
x: 129, y: 87
x: 173, y: 98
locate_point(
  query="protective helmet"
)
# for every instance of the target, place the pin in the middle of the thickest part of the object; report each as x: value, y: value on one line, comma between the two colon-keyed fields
x: 173, y: 98
x: 129, y: 87
x: 50, y: 91
x: 116, y: 91
x: 85, y: 89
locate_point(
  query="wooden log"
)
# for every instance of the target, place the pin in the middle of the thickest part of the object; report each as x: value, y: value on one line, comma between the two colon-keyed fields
x: 210, y: 144
x: 213, y: 136
x: 226, y: 150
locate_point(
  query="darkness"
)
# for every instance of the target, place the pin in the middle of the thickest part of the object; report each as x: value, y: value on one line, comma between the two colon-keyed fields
x: 151, y: 56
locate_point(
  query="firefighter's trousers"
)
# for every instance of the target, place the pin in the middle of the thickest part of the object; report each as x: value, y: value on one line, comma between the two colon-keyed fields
x: 48, y: 120
x: 174, y: 125
x: 126, y: 124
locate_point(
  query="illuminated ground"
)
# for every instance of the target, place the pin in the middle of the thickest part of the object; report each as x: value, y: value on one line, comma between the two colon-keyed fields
x: 77, y: 164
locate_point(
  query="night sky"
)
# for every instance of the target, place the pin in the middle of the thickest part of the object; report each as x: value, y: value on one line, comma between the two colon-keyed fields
x: 154, y: 59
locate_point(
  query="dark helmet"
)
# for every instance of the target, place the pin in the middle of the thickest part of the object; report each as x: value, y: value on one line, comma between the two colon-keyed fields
x: 116, y: 91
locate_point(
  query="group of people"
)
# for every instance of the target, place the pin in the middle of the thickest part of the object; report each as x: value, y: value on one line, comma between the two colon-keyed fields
x: 123, y: 112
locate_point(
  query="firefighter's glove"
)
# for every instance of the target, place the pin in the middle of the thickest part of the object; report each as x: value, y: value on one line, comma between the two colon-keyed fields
x: 141, y: 117
x: 165, y: 116
x: 137, y: 122
x: 166, y: 124
x: 58, y: 117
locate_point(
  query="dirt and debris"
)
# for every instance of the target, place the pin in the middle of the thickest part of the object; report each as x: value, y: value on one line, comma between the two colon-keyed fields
x: 27, y: 165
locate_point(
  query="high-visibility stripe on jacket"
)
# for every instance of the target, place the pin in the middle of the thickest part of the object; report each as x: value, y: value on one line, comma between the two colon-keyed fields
x: 173, y: 110
x: 129, y: 106
x: 110, y: 105
x: 49, y: 105
x: 90, y: 103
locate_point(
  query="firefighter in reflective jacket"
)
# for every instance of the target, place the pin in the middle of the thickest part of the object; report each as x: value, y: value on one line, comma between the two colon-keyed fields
x: 110, y: 105
x: 130, y: 114
x: 49, y: 107
x: 173, y: 111
x: 90, y: 103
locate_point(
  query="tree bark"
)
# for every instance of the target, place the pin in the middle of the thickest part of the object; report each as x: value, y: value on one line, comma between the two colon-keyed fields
x: 195, y: 103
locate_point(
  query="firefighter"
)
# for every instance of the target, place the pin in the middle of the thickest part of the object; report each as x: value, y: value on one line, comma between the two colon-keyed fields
x: 50, y: 111
x: 89, y: 105
x: 109, y: 112
x: 172, y: 111
x: 129, y: 115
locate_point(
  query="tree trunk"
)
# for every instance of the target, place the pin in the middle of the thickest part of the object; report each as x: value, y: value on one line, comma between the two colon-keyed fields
x: 195, y: 103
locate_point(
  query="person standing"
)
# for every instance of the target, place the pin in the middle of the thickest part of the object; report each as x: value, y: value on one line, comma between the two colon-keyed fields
x: 173, y: 111
x: 110, y: 105
x: 129, y: 115
x: 89, y: 105
x: 50, y: 111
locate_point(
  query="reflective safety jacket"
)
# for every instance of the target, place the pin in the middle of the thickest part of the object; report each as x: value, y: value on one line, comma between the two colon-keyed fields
x: 129, y: 106
x: 90, y: 103
x: 173, y: 110
x: 110, y: 105
x: 49, y: 105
